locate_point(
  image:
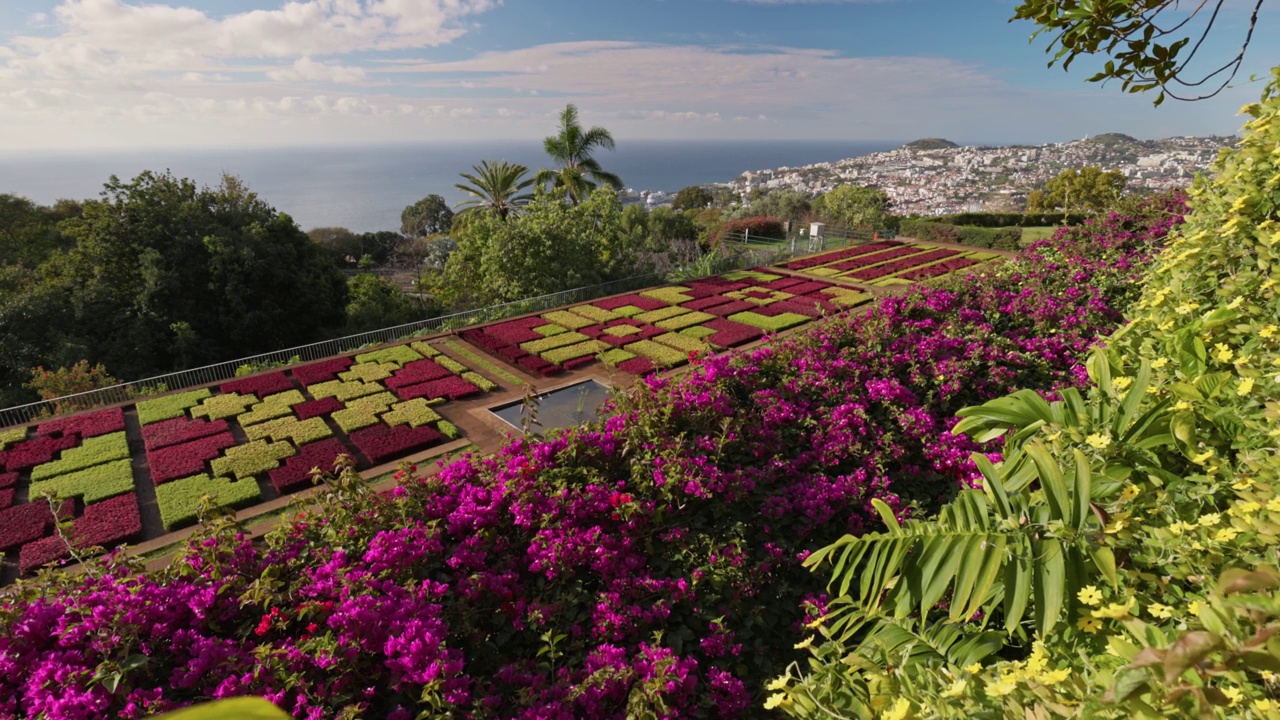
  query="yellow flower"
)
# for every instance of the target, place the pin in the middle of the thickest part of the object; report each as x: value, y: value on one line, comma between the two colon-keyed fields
x: 1160, y: 611
x: 898, y: 711
x: 1222, y: 353
x: 1159, y: 362
x: 1115, y: 611
x: 1183, y: 309
x: 1202, y: 458
x: 804, y: 643
x: 973, y: 668
x: 1130, y: 492
x: 1245, y: 509
x: 1089, y: 595
x: 1098, y: 441
x: 1273, y: 505
x: 1167, y: 324
x: 1267, y: 331
x: 1194, y: 607
x: 1235, y: 303
x: 1234, y: 694
x: 1210, y: 519
x: 1122, y: 382
x: 1182, y: 405
x: 1002, y: 687
x: 1264, y: 705
x: 1089, y: 625
x: 1245, y: 387
x: 774, y: 700
x: 777, y: 683
x: 1226, y: 534
x: 956, y: 689
x: 1053, y: 677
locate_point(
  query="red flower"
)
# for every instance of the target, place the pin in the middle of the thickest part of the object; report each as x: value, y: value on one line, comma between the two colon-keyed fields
x: 312, y: 627
x: 618, y: 498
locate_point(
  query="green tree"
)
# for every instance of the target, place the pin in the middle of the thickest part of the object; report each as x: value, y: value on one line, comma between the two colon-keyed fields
x: 693, y: 197
x: 29, y: 232
x: 429, y: 216
x: 572, y: 147
x: 374, y: 303
x: 850, y: 206
x: 785, y: 204
x: 165, y: 274
x: 548, y: 248
x: 1146, y: 42
x: 496, y: 188
x: 1086, y: 189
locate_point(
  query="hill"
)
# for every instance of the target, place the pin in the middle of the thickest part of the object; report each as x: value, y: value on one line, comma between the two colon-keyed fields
x: 1114, y: 139
x: 930, y: 144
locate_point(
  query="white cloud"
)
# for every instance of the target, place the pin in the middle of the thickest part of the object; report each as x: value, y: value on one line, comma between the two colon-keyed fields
x: 306, y: 69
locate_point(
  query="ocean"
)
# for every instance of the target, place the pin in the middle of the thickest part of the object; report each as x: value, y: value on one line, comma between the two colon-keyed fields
x: 366, y: 188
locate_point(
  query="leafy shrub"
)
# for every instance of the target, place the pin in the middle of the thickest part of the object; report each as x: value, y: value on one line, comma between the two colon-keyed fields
x: 85, y: 425
x: 179, y: 430
x: 220, y: 407
x: 92, y: 484
x: 169, y: 406
x: 188, y: 458
x: 775, y: 323
x: 762, y: 228
x: 180, y: 500
x: 103, y: 524
x: 93, y: 451
x: 259, y: 385
x: 399, y: 355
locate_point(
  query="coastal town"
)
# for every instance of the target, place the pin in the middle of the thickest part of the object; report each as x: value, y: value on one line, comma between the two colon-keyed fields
x: 938, y: 177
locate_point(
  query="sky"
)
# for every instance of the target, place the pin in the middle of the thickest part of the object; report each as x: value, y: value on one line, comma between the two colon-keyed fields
x: 83, y: 74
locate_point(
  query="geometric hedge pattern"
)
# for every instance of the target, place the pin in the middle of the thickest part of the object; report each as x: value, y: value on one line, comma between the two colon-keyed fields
x: 889, y: 262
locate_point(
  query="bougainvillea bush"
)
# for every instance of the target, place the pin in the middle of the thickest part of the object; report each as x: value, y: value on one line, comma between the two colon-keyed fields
x: 644, y: 565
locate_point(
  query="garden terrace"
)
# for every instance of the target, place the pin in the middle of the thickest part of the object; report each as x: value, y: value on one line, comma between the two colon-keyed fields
x: 135, y: 472
x: 662, y: 327
x: 644, y: 564
x: 888, y: 263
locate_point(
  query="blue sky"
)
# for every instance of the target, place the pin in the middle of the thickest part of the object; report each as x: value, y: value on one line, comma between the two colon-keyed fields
x: 128, y: 73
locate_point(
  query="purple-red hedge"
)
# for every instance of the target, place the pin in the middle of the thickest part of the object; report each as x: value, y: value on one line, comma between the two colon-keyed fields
x: 179, y: 461
x: 6, y: 497
x: 418, y: 371
x: 322, y: 371
x: 21, y: 524
x: 296, y: 471
x: 762, y: 226
x: 38, y: 451
x: 179, y: 430
x: 259, y: 385
x: 106, y: 523
x: 452, y: 387
x: 383, y: 442
x: 85, y: 425
x: 317, y: 408
x: 8, y: 479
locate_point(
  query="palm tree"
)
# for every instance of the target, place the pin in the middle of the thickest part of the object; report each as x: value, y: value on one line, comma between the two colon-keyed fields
x: 571, y: 148
x: 496, y: 188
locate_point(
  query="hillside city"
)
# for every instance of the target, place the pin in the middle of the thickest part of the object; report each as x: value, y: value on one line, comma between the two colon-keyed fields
x: 938, y: 177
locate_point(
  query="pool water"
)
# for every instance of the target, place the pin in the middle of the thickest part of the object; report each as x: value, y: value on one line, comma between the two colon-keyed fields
x: 568, y: 406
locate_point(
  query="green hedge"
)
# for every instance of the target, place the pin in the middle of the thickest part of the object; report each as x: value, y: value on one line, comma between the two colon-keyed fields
x: 169, y: 406
x: 254, y: 458
x: 93, y: 451
x: 1000, y: 220
x: 94, y: 484
x: 1005, y: 238
x: 179, y: 499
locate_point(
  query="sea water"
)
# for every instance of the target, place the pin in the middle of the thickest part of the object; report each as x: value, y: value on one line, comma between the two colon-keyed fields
x: 366, y: 188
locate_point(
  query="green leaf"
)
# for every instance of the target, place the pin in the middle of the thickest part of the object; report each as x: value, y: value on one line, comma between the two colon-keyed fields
x: 1050, y: 583
x: 1105, y: 560
x: 1055, y: 487
x: 243, y: 708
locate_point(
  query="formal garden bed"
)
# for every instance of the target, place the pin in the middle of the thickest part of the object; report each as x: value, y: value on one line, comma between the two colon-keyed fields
x: 889, y: 263
x: 236, y: 443
x: 660, y: 328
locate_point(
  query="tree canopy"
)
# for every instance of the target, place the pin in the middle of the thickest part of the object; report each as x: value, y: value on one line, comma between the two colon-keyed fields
x: 160, y: 274
x: 850, y: 206
x: 429, y: 216
x: 548, y: 248
x: 1086, y: 189
x: 572, y: 148
x: 1150, y: 43
x: 496, y: 187
x: 693, y: 197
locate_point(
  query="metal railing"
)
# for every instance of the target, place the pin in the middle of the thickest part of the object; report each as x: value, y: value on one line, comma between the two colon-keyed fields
x: 223, y: 371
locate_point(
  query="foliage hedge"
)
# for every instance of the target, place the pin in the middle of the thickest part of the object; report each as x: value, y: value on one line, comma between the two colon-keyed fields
x: 761, y: 228
x: 93, y: 451
x: 180, y: 500
x: 930, y: 230
x: 92, y: 484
